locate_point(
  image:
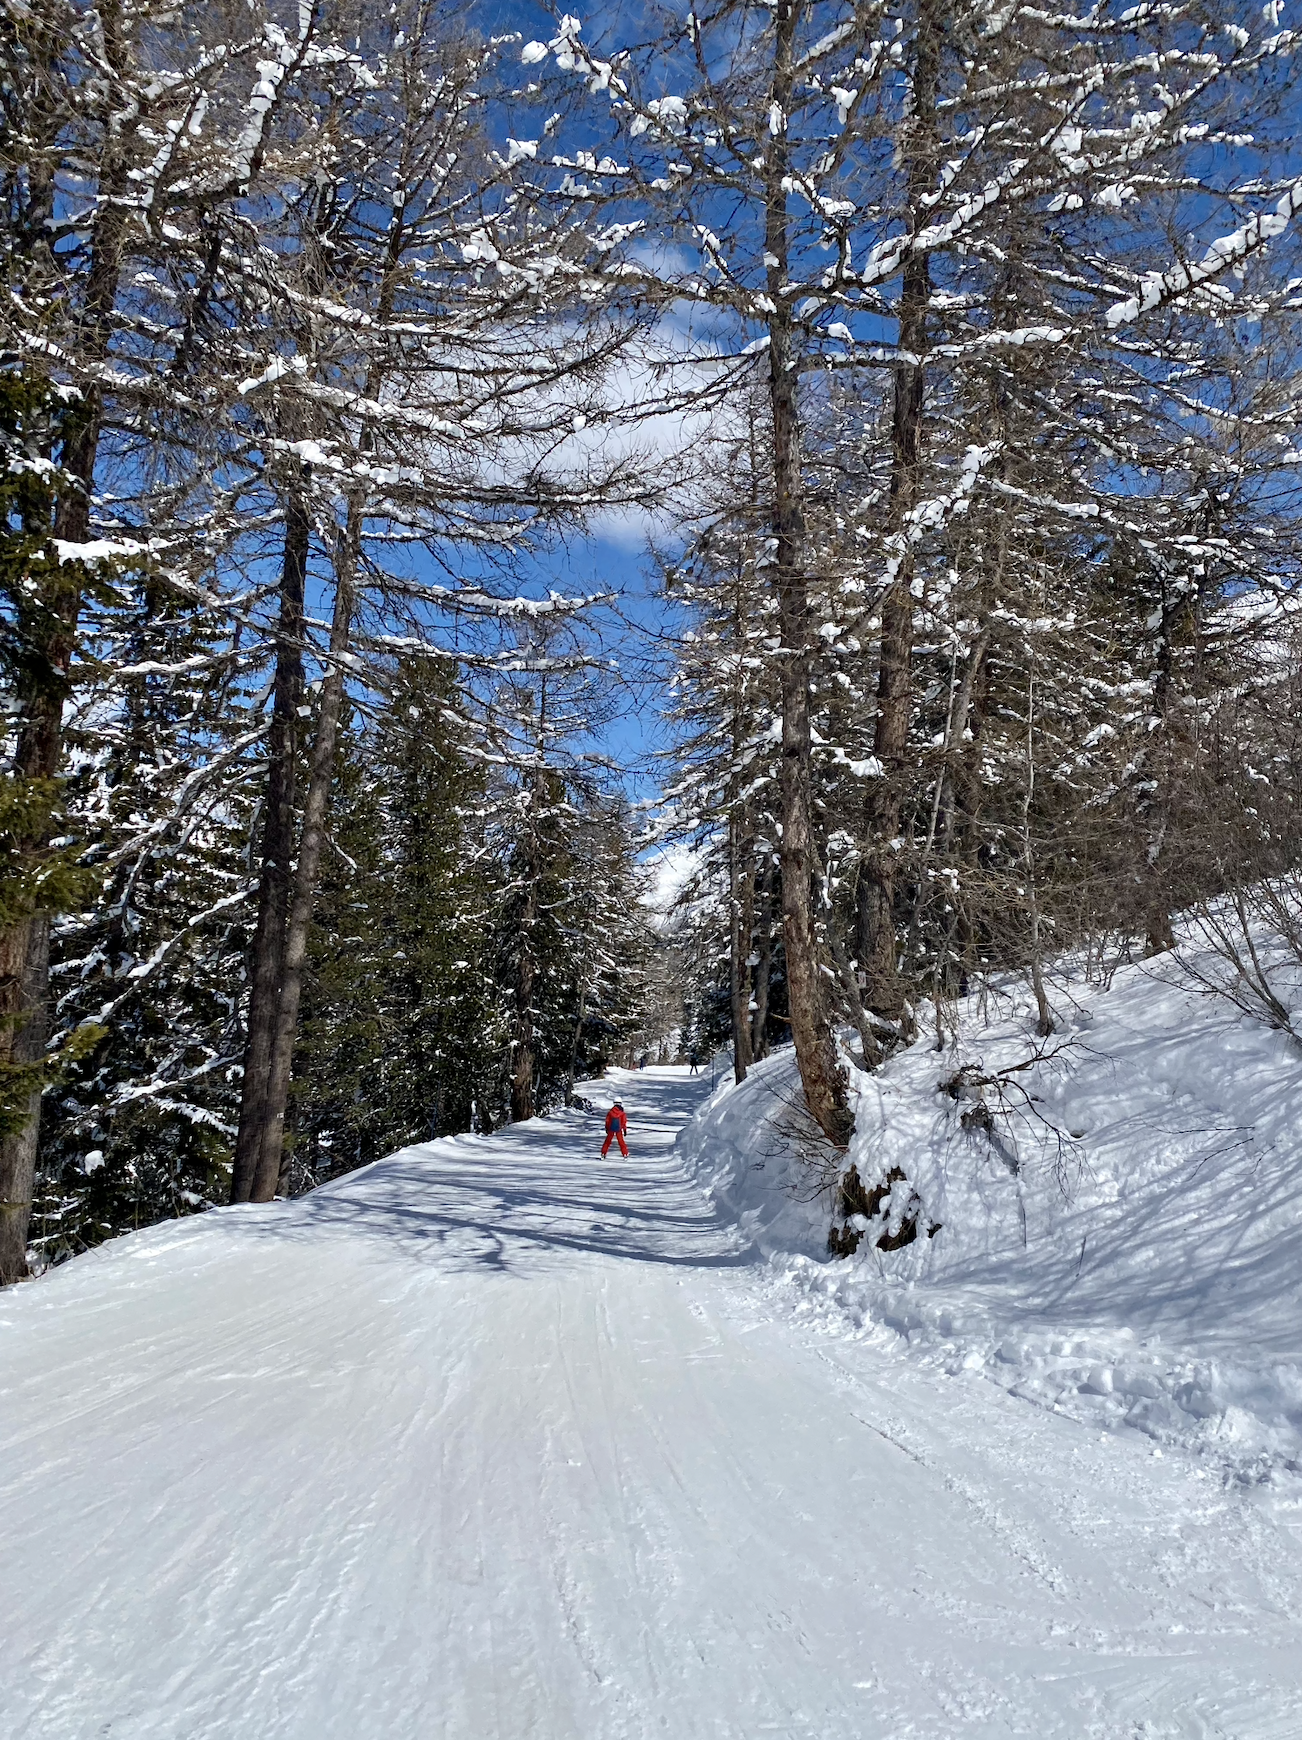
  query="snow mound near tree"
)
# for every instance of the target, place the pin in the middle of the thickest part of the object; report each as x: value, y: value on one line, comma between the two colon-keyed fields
x: 1122, y: 1245
x: 748, y: 1146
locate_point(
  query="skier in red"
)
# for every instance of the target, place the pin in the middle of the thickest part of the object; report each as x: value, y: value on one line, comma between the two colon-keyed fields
x: 616, y: 1124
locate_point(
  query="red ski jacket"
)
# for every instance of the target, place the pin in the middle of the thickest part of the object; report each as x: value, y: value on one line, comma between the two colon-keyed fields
x: 615, y: 1120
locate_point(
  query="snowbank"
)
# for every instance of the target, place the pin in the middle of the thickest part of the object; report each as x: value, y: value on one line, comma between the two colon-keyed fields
x: 1122, y: 1243
x: 744, y: 1146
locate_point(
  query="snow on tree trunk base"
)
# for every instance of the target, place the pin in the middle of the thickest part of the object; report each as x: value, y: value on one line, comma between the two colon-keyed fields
x: 860, y: 1206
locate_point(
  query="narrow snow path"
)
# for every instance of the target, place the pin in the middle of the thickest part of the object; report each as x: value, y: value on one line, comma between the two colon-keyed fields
x: 496, y: 1440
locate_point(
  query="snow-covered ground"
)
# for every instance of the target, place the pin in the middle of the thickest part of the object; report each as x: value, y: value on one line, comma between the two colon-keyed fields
x: 1123, y: 1244
x: 495, y: 1440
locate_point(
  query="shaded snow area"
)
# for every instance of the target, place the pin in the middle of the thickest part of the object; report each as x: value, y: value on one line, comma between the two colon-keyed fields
x: 498, y: 1441
x: 1120, y: 1223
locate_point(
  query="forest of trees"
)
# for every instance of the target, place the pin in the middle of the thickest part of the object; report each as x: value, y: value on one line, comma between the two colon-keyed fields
x: 329, y: 327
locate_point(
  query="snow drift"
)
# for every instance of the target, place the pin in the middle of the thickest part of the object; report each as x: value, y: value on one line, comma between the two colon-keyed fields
x: 747, y: 1146
x: 1120, y: 1210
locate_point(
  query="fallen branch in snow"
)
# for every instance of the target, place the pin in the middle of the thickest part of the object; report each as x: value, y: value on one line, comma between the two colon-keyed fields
x: 1012, y: 1100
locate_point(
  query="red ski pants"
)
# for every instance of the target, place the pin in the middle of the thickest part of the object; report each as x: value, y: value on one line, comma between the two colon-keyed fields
x: 614, y: 1136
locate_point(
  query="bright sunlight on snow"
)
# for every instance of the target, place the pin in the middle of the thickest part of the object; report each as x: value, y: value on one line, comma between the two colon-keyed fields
x: 744, y: 560
x: 494, y: 1438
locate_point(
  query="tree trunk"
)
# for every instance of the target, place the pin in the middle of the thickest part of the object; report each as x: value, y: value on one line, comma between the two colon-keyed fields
x: 1163, y: 752
x: 306, y: 873
x: 523, y: 1061
x: 270, y: 1145
x: 522, y: 1100
x: 957, y: 752
x: 868, y: 1041
x: 875, y: 942
x: 268, y: 950
x: 820, y: 1071
x: 739, y: 932
x: 759, y: 1038
x: 1045, y: 1023
x: 573, y: 1069
x: 25, y: 950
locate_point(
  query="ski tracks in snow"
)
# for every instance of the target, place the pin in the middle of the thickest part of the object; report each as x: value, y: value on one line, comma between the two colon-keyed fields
x: 494, y: 1441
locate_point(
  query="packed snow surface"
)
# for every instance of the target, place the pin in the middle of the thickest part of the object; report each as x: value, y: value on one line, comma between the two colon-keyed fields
x: 494, y: 1440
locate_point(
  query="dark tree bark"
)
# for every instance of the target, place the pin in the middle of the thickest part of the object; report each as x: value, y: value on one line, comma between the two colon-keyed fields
x: 268, y: 1132
x: 875, y: 941
x: 1169, y: 757
x: 124, y: 119
x: 958, y: 751
x: 267, y: 956
x: 820, y: 1071
x: 573, y: 1069
x: 740, y: 905
x: 759, y: 1036
x: 26, y: 951
x: 41, y: 693
x: 868, y: 1041
x: 307, y: 871
x: 522, y: 1062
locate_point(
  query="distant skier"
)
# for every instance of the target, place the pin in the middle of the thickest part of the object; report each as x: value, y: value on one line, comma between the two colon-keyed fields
x: 616, y: 1124
x: 695, y: 1063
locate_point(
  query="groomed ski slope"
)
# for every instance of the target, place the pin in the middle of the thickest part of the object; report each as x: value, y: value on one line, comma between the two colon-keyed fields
x: 495, y: 1441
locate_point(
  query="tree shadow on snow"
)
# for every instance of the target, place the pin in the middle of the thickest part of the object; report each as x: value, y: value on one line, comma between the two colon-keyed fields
x: 525, y: 1201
